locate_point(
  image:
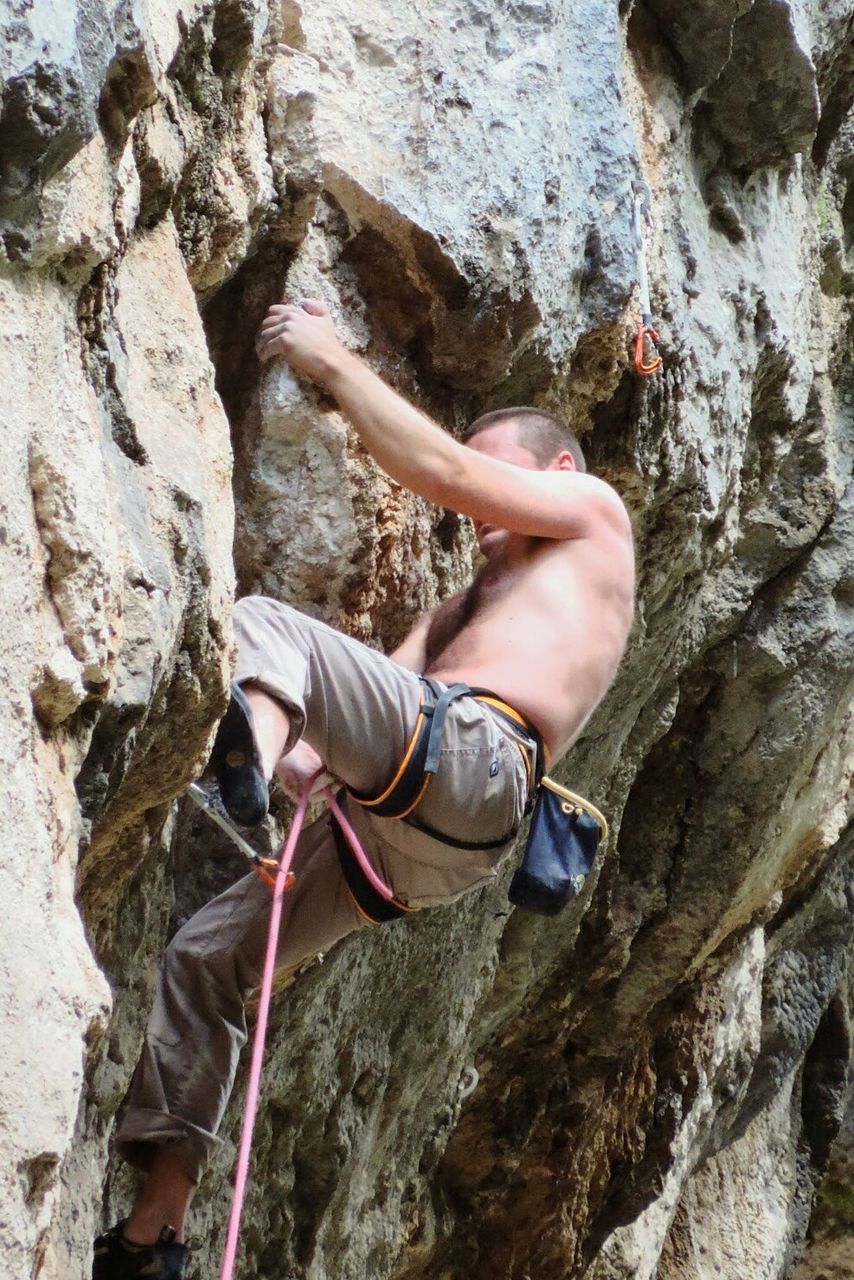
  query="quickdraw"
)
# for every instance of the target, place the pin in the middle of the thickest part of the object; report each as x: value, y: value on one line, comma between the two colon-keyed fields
x: 647, y: 359
x: 265, y: 867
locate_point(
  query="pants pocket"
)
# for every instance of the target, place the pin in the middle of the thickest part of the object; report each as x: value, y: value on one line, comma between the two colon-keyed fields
x: 478, y: 793
x: 426, y: 873
x: 477, y: 798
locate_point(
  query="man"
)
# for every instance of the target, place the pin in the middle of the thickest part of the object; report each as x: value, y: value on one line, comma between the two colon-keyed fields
x: 534, y: 641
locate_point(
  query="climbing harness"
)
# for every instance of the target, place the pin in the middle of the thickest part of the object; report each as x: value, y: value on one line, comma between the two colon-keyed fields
x: 647, y: 359
x: 407, y: 789
x: 283, y: 877
x: 564, y: 834
x: 421, y: 759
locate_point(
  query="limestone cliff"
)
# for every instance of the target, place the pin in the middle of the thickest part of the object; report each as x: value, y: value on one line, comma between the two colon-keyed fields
x: 652, y: 1084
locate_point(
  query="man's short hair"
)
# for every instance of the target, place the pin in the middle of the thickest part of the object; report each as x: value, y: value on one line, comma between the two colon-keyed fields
x: 544, y: 435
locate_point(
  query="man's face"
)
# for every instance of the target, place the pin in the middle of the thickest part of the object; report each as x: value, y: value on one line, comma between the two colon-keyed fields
x: 499, y: 441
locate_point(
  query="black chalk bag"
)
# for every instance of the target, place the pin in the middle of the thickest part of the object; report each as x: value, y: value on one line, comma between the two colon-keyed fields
x: 562, y: 841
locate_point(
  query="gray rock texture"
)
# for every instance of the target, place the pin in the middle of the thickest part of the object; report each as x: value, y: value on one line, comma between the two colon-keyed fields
x: 656, y: 1083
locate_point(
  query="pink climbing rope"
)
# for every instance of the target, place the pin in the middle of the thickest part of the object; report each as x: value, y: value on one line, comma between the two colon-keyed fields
x: 343, y: 822
x: 250, y: 1108
x: 251, y: 1105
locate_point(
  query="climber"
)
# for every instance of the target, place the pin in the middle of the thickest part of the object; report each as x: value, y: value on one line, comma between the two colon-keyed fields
x: 527, y: 651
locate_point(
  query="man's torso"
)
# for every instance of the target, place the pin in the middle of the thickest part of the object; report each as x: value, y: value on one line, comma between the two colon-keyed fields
x: 544, y: 624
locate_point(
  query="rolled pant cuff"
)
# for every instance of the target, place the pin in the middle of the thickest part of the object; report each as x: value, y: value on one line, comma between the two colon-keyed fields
x: 141, y: 1130
x: 278, y: 689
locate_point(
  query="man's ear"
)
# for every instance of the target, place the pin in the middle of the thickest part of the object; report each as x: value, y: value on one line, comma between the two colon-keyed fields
x: 564, y: 461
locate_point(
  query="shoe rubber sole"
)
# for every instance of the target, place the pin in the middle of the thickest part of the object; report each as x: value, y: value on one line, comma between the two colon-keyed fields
x: 236, y: 764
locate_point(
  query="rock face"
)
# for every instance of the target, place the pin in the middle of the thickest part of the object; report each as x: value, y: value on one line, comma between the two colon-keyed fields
x: 652, y: 1084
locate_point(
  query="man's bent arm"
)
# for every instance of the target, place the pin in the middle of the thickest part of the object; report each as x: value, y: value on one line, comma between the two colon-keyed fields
x: 407, y: 445
x: 419, y: 454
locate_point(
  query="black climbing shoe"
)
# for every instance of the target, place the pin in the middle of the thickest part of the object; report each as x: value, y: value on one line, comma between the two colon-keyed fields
x: 117, y: 1259
x: 236, y: 763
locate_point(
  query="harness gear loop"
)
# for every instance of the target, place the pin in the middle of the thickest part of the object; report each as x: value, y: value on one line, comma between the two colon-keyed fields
x: 577, y: 802
x: 647, y: 336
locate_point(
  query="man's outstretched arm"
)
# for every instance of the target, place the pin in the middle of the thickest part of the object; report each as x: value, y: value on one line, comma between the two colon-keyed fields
x: 419, y: 454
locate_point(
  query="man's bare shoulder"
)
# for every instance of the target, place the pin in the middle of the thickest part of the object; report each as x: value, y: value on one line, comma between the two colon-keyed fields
x: 601, y: 498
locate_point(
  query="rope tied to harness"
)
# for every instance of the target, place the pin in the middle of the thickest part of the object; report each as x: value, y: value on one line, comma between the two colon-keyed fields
x: 647, y: 359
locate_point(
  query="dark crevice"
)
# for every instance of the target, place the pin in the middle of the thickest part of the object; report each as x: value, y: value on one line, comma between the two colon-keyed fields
x: 836, y: 84
x: 232, y: 318
x: 611, y: 443
x: 825, y: 1079
x: 95, y: 316
x: 129, y: 87
x: 45, y: 120
x: 233, y: 33
x: 391, y: 290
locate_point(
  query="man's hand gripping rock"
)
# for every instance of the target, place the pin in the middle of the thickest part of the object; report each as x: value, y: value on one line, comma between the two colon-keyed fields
x: 304, y: 334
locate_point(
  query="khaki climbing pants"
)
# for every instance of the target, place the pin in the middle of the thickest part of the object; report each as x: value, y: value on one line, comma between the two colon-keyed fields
x: 358, y: 709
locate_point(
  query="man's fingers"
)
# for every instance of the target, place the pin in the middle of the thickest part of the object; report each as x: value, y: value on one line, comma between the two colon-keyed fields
x: 272, y: 327
x: 272, y: 340
x: 314, y: 307
x: 275, y: 315
x: 304, y: 334
x: 265, y: 348
x: 281, y: 312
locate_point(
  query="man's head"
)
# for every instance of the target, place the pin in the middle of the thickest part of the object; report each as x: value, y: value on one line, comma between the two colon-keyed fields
x: 525, y: 437
x: 546, y: 438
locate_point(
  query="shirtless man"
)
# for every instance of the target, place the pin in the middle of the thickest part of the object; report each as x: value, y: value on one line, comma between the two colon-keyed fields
x: 543, y: 625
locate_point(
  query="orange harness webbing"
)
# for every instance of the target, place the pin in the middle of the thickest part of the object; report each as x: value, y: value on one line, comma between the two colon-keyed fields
x: 421, y: 759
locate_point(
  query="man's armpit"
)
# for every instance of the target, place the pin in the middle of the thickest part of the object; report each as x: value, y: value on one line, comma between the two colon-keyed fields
x: 412, y: 652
